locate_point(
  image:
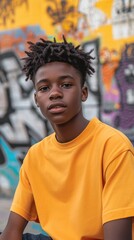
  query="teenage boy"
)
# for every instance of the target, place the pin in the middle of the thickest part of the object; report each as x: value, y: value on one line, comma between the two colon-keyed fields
x: 78, y: 182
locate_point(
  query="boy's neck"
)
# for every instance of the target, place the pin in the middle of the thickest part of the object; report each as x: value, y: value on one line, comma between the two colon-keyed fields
x: 68, y: 131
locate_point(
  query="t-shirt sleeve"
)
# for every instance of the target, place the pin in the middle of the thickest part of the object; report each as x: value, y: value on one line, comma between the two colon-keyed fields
x: 23, y: 201
x: 118, y: 193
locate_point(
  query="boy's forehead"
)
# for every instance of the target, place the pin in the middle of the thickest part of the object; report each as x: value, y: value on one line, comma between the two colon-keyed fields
x: 56, y: 66
x: 56, y: 69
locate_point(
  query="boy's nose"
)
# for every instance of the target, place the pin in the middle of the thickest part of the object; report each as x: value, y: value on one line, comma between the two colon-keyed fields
x: 55, y: 93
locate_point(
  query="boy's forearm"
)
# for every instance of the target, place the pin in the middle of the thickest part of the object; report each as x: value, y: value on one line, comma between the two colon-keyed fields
x: 14, y: 228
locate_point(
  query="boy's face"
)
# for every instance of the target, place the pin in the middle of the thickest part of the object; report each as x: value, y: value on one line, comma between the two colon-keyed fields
x: 59, y: 92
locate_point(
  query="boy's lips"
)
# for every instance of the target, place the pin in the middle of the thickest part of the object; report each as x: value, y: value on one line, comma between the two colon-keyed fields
x: 57, y: 107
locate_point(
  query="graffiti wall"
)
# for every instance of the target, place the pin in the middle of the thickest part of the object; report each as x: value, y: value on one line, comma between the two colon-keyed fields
x: 105, y: 26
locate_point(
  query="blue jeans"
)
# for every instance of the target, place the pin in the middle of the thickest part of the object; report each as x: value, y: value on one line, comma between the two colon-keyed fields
x: 29, y: 236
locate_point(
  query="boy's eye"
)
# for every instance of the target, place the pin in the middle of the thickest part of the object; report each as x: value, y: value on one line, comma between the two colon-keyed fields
x: 66, y: 85
x: 44, y: 88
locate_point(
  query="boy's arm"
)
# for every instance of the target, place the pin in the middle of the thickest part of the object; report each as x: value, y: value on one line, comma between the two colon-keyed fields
x: 14, y: 228
x: 120, y: 229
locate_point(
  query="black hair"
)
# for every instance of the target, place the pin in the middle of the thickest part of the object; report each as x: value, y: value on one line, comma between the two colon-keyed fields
x: 45, y: 51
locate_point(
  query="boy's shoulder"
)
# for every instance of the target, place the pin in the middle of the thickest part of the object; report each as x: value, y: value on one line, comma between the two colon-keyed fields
x: 37, y: 151
x: 46, y: 140
x: 111, y: 136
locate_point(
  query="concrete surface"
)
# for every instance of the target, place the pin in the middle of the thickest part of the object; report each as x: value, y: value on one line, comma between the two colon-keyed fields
x: 4, y: 212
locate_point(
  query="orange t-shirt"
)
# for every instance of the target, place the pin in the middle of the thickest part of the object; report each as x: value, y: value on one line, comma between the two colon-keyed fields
x: 73, y: 188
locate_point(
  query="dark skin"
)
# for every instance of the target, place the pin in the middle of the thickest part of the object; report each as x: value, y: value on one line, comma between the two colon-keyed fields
x: 57, y: 85
x: 14, y: 228
x: 59, y: 93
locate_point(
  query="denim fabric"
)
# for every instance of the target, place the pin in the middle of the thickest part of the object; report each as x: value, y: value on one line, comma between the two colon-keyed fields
x: 29, y: 236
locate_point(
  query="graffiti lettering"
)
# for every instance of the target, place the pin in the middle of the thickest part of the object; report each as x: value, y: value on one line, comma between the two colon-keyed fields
x: 7, y: 10
x: 21, y: 124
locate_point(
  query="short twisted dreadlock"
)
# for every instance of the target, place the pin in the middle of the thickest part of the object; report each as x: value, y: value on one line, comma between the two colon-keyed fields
x: 46, y: 51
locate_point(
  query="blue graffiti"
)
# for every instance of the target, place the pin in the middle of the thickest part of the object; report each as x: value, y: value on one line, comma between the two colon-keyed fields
x: 11, y: 167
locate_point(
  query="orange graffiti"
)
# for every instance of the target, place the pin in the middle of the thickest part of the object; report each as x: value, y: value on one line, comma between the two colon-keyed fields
x: 110, y: 62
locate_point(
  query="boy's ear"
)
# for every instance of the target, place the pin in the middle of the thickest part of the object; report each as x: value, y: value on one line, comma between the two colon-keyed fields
x: 35, y: 99
x: 84, y: 93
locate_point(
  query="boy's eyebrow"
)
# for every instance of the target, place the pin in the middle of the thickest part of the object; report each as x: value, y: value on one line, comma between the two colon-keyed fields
x: 43, y: 80
x: 66, y: 76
